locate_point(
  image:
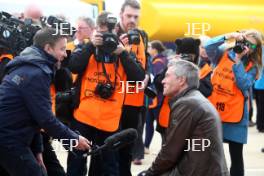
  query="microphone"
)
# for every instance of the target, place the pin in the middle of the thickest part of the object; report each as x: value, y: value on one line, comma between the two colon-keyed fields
x: 116, y: 141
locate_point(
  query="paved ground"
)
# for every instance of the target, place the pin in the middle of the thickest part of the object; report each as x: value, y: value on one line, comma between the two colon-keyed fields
x: 253, y: 158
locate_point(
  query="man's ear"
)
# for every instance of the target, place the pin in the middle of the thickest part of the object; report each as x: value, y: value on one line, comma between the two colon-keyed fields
x: 120, y: 15
x: 182, y: 81
x: 48, y: 48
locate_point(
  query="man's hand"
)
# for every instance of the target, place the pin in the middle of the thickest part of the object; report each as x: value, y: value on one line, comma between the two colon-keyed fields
x: 97, y: 39
x: 145, y: 82
x: 124, y: 39
x: 39, y: 159
x: 119, y: 49
x: 83, y: 144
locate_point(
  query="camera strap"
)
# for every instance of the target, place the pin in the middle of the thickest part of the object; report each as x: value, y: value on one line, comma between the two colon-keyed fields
x: 106, y: 75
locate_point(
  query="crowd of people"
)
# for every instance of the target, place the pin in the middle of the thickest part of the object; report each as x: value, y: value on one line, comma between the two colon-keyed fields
x: 71, y: 89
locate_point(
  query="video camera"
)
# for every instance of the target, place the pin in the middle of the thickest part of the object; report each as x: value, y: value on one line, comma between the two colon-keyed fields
x: 59, y: 24
x: 16, y: 35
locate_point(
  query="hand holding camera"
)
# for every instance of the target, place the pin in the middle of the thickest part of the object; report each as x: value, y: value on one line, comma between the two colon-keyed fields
x: 239, y: 55
x: 97, y: 39
x: 120, y: 48
x: 131, y: 37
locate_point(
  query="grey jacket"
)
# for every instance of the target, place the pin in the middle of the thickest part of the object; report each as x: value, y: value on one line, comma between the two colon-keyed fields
x: 196, y: 128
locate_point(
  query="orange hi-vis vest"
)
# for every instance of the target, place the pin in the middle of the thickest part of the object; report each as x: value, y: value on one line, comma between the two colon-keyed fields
x: 205, y: 70
x: 165, y: 109
x: 103, y: 114
x: 164, y: 113
x: 9, y: 56
x: 53, y: 95
x: 134, y: 98
x: 227, y: 98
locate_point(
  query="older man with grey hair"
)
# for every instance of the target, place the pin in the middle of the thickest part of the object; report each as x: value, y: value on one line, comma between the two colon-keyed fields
x: 193, y: 144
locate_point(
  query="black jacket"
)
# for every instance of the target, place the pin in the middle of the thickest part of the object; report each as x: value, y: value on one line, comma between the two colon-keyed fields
x: 79, y: 60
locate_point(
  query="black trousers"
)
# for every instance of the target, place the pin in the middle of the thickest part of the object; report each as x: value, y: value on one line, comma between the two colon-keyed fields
x: 129, y: 119
x: 138, y: 148
x: 50, y: 159
x: 3, y: 172
x: 236, y: 155
x: 260, y: 109
x: 19, y: 161
x: 102, y: 164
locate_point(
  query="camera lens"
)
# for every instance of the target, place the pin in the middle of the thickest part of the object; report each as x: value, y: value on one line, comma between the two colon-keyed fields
x: 110, y: 43
x: 133, y: 37
x: 239, y: 47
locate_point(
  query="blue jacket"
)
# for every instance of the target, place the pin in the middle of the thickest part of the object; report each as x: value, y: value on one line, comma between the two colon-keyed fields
x: 25, y: 103
x: 236, y: 132
x: 259, y: 84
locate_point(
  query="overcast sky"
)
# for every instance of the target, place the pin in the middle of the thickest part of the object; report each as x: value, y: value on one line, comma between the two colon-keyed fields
x: 70, y: 8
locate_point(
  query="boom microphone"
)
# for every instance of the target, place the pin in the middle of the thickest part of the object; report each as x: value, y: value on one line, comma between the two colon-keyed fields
x: 116, y: 141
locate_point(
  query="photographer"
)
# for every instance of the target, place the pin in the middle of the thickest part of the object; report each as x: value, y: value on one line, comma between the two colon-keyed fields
x: 235, y: 72
x: 133, y: 40
x: 25, y: 106
x: 101, y: 66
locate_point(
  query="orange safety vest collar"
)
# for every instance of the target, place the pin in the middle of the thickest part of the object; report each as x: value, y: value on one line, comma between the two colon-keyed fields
x: 205, y: 70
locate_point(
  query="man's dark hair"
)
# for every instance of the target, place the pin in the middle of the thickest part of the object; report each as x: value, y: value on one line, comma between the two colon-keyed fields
x: 132, y: 3
x: 156, y: 44
x: 46, y: 36
x: 102, y: 19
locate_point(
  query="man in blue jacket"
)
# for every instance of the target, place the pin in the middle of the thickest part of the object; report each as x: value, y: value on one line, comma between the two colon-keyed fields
x: 25, y: 106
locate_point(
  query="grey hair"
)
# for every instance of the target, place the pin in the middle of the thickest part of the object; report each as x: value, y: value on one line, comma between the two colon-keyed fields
x: 88, y: 21
x: 183, y: 68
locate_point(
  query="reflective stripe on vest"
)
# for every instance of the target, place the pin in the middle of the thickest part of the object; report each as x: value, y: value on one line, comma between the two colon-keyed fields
x: 165, y: 109
x: 136, y: 98
x: 103, y: 114
x: 226, y: 96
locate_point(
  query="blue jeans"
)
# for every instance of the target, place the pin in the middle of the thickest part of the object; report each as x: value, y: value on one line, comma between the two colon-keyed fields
x: 103, y: 164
